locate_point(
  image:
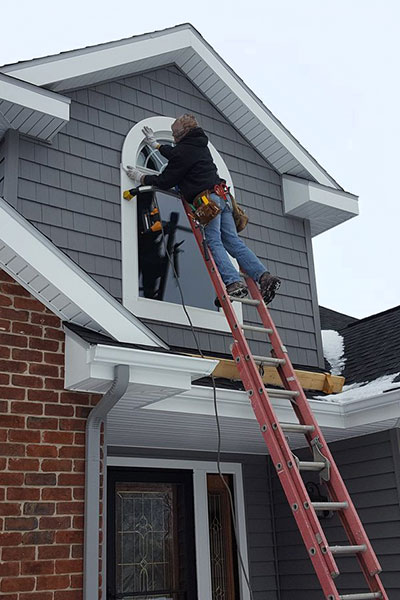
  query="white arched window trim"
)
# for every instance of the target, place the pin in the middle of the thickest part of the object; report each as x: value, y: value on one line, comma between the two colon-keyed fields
x: 146, y: 307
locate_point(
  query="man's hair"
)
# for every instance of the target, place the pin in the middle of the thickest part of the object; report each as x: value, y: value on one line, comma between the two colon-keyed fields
x: 184, y: 124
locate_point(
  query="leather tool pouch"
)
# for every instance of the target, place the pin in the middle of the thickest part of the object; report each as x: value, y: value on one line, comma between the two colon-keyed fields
x: 205, y: 209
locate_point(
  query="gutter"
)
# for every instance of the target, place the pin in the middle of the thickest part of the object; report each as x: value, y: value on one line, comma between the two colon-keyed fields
x: 92, y: 481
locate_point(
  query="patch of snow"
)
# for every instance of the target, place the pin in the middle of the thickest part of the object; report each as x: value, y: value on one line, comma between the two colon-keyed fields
x: 358, y: 391
x: 333, y: 346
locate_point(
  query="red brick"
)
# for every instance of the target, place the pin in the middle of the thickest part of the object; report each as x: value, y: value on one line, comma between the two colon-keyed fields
x: 78, y: 522
x: 28, y: 355
x: 71, y: 479
x: 14, y: 289
x: 11, y: 421
x: 54, y: 359
x: 59, y: 410
x: 76, y: 551
x: 10, y: 539
x: 77, y: 581
x: 58, y: 437
x: 82, y: 411
x: 12, y: 449
x: 4, y: 377
x: 56, y: 465
x: 54, y: 383
x: 3, y: 438
x: 57, y: 493
x: 11, y: 479
x: 6, y: 277
x: 28, y: 303
x: 57, y: 523
x: 18, y: 553
x: 27, y: 381
x: 12, y: 366
x: 22, y: 493
x: 5, y: 352
x: 36, y: 596
x: 69, y: 537
x: 12, y: 596
x: 36, y: 538
x: 41, y: 450
x: 54, y: 551
x: 68, y: 595
x: 22, y: 435
x: 70, y: 508
x: 80, y: 439
x: 27, y: 408
x: 5, y: 325
x: 27, y: 329
x: 13, y: 315
x: 9, y: 568
x: 43, y: 396
x: 38, y: 567
x: 69, y: 566
x: 42, y: 423
x: 45, y: 319
x: 17, y: 584
x: 39, y: 508
x: 21, y: 523
x: 41, y: 479
x: 4, y: 300
x: 52, y: 582
x: 23, y: 464
x: 41, y: 344
x: 8, y: 339
x: 75, y: 398
x: 79, y: 466
x: 54, y: 334
x: 12, y: 393
x: 43, y: 370
x: 73, y: 424
x: 72, y: 452
x: 10, y: 509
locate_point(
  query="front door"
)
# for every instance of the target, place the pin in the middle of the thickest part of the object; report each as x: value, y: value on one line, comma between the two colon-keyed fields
x: 150, y: 547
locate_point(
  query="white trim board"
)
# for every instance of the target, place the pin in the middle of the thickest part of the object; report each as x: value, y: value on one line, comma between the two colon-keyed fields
x: 185, y: 47
x: 200, y: 470
x: 166, y: 312
x: 54, y: 279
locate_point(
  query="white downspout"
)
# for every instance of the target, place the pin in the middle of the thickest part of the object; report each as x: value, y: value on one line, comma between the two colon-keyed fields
x: 92, y: 481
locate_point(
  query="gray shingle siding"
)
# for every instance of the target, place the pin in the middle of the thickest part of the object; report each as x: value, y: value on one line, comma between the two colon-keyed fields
x: 370, y: 468
x: 70, y: 190
x: 260, y: 540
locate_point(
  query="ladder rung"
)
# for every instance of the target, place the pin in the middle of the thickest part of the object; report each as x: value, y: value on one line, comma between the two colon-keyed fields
x: 297, y: 428
x: 347, y: 549
x: 305, y: 465
x: 245, y: 300
x: 361, y: 596
x: 258, y: 329
x: 269, y: 360
x: 277, y: 393
x: 330, y: 505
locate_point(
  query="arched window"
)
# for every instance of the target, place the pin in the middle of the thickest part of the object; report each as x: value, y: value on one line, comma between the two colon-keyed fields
x: 150, y: 283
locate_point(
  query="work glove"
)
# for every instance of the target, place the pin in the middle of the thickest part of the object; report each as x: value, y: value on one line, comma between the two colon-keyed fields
x: 134, y: 174
x: 150, y: 138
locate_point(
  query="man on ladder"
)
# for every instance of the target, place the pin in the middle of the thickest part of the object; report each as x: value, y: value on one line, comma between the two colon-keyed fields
x: 191, y: 168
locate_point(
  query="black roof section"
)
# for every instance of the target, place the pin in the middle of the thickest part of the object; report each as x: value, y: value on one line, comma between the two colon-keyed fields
x: 331, y: 319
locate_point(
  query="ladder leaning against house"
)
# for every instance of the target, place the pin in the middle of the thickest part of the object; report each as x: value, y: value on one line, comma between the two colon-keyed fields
x: 287, y: 465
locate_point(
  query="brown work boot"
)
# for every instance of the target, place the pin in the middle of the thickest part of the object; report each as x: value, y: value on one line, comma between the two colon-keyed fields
x: 269, y: 285
x: 237, y: 289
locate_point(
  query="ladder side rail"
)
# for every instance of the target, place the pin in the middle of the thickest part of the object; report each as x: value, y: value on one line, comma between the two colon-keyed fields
x: 336, y: 486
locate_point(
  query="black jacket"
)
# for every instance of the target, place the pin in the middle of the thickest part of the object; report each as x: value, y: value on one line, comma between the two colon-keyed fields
x: 190, y: 166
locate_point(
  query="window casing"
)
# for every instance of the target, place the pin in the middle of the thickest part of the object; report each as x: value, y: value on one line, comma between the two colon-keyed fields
x: 135, y: 153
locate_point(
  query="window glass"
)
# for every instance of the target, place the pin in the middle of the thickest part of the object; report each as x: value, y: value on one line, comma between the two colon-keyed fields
x: 149, y: 158
x: 157, y: 278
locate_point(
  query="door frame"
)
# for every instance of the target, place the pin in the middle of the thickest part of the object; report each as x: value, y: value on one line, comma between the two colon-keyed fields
x: 200, y: 470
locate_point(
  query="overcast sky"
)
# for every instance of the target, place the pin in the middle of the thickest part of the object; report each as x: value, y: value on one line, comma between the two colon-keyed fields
x: 329, y: 70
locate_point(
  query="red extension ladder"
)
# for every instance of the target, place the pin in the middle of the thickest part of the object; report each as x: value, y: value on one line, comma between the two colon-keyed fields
x: 288, y: 466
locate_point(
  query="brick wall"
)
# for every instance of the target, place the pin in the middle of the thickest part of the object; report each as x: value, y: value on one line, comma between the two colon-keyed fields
x: 41, y: 455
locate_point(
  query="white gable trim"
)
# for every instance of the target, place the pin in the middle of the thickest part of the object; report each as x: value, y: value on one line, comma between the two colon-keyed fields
x: 54, y: 279
x: 183, y: 46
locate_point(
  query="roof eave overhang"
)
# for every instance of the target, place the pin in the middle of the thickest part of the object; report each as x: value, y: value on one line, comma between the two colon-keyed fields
x: 31, y: 110
x: 185, y: 47
x: 61, y: 285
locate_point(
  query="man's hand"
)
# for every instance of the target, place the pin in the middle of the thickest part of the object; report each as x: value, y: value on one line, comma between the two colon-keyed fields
x: 134, y: 174
x: 150, y: 137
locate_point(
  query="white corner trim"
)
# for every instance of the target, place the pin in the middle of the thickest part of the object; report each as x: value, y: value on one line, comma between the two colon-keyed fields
x: 61, y: 285
x: 200, y: 470
x: 37, y: 99
x: 145, y: 307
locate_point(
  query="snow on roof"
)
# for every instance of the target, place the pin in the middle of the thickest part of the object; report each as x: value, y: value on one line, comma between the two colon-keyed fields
x: 363, y: 390
x: 333, y: 346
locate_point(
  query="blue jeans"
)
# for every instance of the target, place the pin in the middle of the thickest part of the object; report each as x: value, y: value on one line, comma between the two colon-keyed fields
x: 222, y: 237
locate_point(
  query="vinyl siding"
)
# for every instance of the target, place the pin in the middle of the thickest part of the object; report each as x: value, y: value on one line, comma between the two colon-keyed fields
x: 257, y: 506
x: 2, y: 166
x: 370, y: 468
x: 70, y: 191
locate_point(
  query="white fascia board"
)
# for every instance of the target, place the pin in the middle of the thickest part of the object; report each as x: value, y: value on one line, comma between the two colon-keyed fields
x: 37, y: 252
x: 29, y: 96
x: 306, y: 199
x: 80, y: 63
x: 380, y: 407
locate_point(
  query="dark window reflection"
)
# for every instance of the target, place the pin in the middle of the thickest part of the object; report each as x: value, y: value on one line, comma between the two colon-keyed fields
x: 156, y: 275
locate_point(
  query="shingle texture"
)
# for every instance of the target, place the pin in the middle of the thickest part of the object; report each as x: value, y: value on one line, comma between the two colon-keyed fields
x: 331, y: 319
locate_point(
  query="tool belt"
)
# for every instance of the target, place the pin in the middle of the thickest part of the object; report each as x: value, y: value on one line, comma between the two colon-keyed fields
x: 204, y: 208
x: 239, y: 216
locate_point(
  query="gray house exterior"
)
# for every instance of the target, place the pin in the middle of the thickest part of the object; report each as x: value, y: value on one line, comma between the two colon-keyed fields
x: 61, y: 184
